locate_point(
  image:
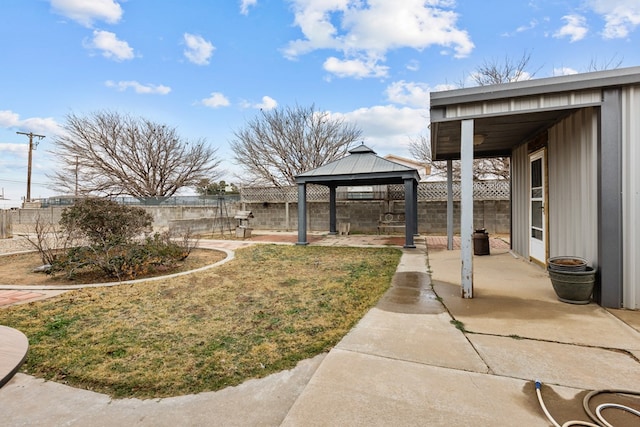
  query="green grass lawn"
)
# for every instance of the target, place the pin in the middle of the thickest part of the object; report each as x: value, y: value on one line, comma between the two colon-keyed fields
x: 269, y: 308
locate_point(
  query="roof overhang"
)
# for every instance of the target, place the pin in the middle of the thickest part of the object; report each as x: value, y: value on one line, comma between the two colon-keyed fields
x: 507, y: 115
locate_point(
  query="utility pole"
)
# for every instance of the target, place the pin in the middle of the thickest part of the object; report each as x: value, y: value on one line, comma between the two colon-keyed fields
x: 31, y: 148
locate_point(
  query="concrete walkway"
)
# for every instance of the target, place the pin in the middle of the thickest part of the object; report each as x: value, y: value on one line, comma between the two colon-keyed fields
x: 423, y: 356
x: 407, y: 367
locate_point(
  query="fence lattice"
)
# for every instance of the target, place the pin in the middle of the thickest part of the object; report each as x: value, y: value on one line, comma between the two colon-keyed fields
x: 427, y: 191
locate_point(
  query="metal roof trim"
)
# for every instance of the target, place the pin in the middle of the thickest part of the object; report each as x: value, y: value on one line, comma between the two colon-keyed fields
x: 573, y: 82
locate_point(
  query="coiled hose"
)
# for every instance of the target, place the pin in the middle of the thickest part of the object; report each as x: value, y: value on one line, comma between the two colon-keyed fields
x: 597, y: 417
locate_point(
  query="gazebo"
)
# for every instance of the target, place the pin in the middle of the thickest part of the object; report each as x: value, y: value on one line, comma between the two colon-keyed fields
x: 361, y: 167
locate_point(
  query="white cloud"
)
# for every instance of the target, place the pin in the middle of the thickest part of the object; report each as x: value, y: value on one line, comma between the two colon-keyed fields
x: 44, y: 126
x: 388, y: 129
x: 14, y: 148
x: 9, y: 119
x: 522, y: 28
x: 564, y: 71
x: 245, y: 4
x: 444, y: 86
x: 621, y: 16
x: 267, y: 103
x: 216, y: 100
x: 413, y: 65
x: 530, y: 26
x: 575, y: 28
x: 198, y: 49
x: 409, y: 93
x: 139, y: 87
x: 110, y: 46
x: 86, y: 12
x: 370, y: 29
x: 354, y: 68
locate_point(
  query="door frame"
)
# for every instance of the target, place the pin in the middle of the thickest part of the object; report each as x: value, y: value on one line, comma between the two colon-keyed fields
x: 533, y: 156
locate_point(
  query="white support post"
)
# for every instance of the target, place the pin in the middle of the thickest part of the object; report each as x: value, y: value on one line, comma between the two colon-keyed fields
x: 466, y: 207
x: 449, y: 205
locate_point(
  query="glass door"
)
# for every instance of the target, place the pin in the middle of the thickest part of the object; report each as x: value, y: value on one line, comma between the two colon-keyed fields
x: 537, y: 214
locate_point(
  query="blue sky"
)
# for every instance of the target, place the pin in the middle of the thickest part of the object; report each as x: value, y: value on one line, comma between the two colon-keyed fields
x: 207, y: 67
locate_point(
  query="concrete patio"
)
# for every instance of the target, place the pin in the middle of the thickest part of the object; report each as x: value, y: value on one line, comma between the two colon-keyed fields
x: 418, y: 369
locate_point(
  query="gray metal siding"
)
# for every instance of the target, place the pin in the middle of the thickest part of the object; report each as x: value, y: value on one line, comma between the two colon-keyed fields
x: 540, y: 102
x: 573, y: 197
x: 520, y: 200
x: 631, y: 196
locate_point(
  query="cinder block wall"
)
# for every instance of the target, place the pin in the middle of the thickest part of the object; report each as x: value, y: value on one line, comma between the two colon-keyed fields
x: 493, y: 215
x: 363, y: 215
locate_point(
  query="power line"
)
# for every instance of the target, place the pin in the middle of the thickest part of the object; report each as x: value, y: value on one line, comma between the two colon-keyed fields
x: 21, y: 182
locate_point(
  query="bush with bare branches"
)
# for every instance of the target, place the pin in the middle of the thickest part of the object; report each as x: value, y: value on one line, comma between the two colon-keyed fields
x: 116, y: 239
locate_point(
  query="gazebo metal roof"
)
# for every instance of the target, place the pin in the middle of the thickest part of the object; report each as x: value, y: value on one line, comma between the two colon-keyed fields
x: 361, y: 167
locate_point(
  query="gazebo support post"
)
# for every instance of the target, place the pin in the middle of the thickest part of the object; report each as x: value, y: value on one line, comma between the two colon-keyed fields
x: 302, y: 214
x: 332, y: 210
x: 410, y: 210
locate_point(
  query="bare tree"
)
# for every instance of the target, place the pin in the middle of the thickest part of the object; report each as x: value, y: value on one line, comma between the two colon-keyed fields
x: 490, y: 168
x: 492, y: 72
x: 279, y: 144
x: 420, y: 149
x: 608, y: 64
x: 106, y: 153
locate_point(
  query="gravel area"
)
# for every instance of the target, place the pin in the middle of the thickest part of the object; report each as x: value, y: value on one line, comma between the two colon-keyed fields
x: 15, y: 244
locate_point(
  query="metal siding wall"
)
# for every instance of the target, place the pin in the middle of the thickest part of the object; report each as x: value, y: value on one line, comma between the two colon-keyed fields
x: 525, y: 103
x: 520, y: 200
x: 631, y: 196
x: 573, y: 197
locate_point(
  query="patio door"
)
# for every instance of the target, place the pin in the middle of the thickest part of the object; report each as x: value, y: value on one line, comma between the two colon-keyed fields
x: 537, y: 212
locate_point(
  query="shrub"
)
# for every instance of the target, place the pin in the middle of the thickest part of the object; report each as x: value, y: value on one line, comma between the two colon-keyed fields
x: 104, y: 222
x: 49, y: 241
x: 116, y: 240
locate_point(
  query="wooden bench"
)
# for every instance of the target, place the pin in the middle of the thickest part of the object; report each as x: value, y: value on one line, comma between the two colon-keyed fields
x: 391, y: 220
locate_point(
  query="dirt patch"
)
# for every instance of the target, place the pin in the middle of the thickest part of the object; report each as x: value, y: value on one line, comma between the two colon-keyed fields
x: 17, y: 269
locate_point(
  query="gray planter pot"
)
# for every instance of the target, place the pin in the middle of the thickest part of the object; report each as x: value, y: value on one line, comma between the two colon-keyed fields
x: 567, y: 263
x: 573, y: 287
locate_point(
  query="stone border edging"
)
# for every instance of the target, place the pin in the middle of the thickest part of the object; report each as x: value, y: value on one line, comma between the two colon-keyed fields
x: 230, y: 256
